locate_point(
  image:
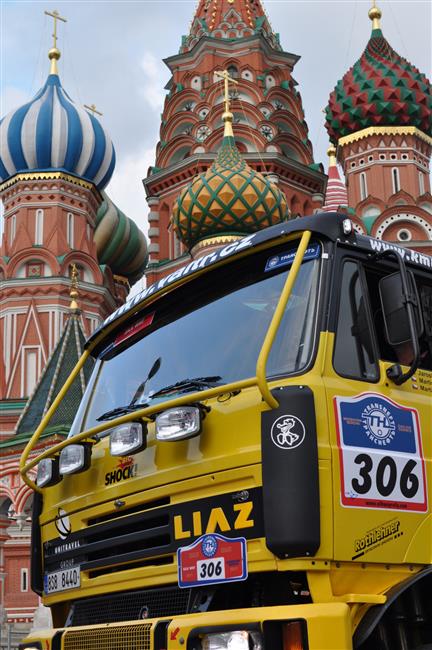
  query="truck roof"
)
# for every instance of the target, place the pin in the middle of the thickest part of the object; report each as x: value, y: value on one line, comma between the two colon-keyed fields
x: 329, y: 225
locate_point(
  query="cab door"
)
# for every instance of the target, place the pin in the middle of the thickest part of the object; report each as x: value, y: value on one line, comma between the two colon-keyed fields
x: 380, y: 432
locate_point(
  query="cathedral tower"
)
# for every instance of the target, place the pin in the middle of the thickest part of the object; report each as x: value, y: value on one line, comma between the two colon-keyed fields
x: 270, y: 128
x: 55, y: 160
x: 379, y: 116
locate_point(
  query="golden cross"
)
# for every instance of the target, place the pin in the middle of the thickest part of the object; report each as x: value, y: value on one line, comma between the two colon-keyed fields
x: 55, y: 14
x: 92, y: 108
x: 225, y: 76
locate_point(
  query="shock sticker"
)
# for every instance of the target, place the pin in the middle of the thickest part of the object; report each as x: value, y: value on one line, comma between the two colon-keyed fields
x: 212, y: 559
x: 380, y: 451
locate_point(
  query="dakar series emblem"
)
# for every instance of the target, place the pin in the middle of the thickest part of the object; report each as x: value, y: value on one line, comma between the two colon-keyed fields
x: 288, y: 432
x: 126, y: 469
x: 378, y: 424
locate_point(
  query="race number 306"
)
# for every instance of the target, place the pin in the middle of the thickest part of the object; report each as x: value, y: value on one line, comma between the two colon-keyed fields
x: 214, y: 568
x: 380, y: 453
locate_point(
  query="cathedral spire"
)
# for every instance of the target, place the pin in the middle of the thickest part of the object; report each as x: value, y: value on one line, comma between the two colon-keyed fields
x: 229, y: 19
x: 336, y: 194
x: 375, y: 15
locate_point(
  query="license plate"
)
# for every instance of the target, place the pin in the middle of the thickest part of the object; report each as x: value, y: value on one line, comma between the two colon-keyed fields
x: 62, y: 580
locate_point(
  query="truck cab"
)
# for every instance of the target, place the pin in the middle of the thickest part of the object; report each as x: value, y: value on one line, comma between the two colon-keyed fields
x: 250, y: 466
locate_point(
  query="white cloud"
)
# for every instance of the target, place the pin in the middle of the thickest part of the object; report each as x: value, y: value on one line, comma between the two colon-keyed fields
x: 152, y: 90
x: 126, y: 189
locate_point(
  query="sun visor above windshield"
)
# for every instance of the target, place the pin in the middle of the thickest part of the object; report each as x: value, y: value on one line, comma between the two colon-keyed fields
x: 326, y: 224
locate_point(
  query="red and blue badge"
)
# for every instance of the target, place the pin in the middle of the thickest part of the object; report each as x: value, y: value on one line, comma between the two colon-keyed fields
x: 212, y: 559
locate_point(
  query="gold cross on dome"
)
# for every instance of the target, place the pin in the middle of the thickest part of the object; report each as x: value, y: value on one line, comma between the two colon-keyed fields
x: 55, y: 14
x: 227, y: 79
x: 93, y: 109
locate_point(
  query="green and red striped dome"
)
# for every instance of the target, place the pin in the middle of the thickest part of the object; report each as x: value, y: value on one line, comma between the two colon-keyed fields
x: 381, y: 89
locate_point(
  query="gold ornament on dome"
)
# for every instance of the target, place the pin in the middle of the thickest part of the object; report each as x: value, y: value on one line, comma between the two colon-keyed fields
x: 54, y: 53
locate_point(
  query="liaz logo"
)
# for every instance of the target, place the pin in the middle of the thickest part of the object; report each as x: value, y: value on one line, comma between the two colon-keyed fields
x: 126, y: 469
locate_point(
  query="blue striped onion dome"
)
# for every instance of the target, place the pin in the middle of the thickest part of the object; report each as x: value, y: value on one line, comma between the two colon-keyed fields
x: 119, y: 242
x: 52, y: 133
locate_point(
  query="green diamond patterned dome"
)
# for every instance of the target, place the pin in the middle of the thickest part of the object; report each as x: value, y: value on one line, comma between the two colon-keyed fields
x: 230, y: 198
x: 381, y: 89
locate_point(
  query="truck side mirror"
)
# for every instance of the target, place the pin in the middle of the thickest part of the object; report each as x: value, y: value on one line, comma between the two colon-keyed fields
x: 394, y: 302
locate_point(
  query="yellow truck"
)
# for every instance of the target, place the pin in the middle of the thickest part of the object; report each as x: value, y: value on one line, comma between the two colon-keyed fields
x: 250, y: 466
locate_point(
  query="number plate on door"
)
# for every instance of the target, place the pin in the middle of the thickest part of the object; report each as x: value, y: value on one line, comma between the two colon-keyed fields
x: 381, y: 456
x: 212, y: 559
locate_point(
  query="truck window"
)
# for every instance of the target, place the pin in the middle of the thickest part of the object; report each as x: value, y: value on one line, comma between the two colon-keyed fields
x: 213, y: 332
x: 354, y: 355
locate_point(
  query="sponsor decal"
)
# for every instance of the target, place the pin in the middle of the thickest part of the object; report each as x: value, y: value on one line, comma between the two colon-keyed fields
x: 288, y: 432
x: 287, y: 258
x: 69, y: 546
x: 137, y: 327
x: 407, y: 254
x: 62, y: 523
x: 376, y: 537
x: 422, y: 381
x: 212, y: 559
x: 380, y: 452
x: 195, y: 265
x: 125, y: 470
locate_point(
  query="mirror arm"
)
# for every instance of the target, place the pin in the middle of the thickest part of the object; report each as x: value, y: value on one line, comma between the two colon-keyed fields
x: 395, y: 371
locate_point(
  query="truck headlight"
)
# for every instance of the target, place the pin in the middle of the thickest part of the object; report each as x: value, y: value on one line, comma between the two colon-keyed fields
x: 75, y: 458
x: 47, y: 472
x: 178, y: 423
x: 127, y: 439
x: 236, y: 640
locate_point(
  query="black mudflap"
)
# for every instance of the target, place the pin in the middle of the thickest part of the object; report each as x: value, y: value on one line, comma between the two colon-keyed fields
x: 290, y: 474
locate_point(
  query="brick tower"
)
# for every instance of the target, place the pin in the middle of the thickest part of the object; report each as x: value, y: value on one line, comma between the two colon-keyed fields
x: 55, y: 160
x: 379, y: 116
x: 270, y: 129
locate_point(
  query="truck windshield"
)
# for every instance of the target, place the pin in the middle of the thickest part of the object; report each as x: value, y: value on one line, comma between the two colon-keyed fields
x: 207, y: 333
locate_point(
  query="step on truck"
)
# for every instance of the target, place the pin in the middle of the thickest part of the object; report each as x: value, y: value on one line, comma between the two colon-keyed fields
x: 250, y: 466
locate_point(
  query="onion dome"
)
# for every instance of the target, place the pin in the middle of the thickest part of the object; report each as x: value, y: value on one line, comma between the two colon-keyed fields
x: 381, y: 89
x: 119, y: 242
x: 230, y: 198
x: 52, y: 133
x: 336, y: 193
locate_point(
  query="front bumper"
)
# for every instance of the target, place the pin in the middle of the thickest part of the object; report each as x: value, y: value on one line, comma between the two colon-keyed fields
x: 327, y: 627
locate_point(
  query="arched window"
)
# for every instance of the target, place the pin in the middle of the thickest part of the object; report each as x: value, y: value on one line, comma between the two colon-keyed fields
x: 12, y: 231
x: 421, y: 183
x: 70, y: 229
x: 395, y: 179
x: 363, y: 186
x: 233, y: 72
x: 39, y: 218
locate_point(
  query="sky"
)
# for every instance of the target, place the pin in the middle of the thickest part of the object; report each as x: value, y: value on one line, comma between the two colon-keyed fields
x: 113, y: 51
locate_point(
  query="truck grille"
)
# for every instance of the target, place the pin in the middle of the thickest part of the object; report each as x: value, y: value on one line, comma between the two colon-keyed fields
x: 120, y: 541
x: 122, y: 637
x: 130, y: 606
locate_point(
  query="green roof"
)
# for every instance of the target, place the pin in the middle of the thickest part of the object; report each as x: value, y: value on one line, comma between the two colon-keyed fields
x: 60, y: 364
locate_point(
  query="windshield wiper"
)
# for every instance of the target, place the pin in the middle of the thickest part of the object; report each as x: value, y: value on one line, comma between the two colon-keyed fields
x: 120, y: 410
x: 199, y: 383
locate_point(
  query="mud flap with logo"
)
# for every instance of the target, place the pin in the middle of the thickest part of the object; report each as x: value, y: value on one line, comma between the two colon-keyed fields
x: 290, y: 474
